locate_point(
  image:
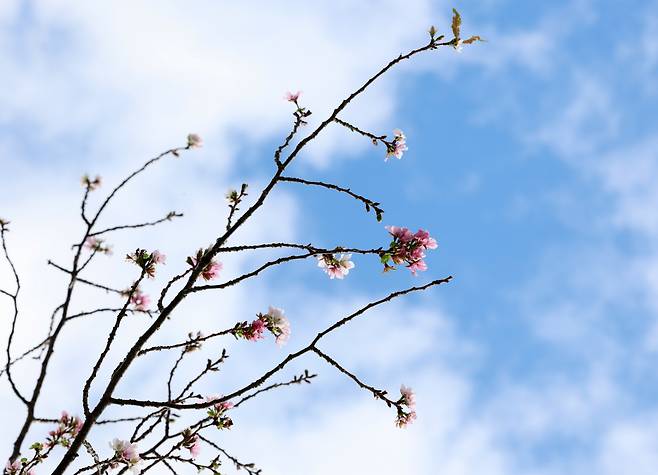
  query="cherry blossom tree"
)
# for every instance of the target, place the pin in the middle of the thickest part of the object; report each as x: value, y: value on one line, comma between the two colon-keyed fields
x: 153, y: 441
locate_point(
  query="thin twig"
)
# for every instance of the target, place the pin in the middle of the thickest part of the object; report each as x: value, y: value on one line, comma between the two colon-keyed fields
x: 368, y: 203
x: 171, y: 215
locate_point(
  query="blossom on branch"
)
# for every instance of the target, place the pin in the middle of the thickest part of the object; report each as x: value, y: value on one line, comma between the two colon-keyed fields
x: 407, y: 248
x: 403, y: 418
x: 98, y: 245
x: 301, y: 113
x: 13, y: 468
x: 140, y: 300
x: 278, y: 325
x: 255, y: 330
x: 292, y: 96
x: 408, y: 396
x: 158, y: 257
x: 194, y: 141
x: 67, y: 428
x: 273, y: 320
x: 398, y: 146
x: 126, y: 453
x: 408, y: 399
x: 336, y: 268
x: 217, y: 412
x: 147, y: 261
x: 211, y: 270
x: 192, y: 442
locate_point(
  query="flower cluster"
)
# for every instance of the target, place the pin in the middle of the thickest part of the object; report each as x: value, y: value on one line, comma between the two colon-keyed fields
x: 217, y: 412
x: 273, y: 320
x: 249, y: 331
x: 194, y: 141
x: 408, y: 399
x: 336, y: 268
x: 191, y: 442
x: 408, y: 248
x: 90, y: 184
x: 398, y: 146
x: 98, y: 245
x: 211, y: 270
x: 67, y: 428
x: 147, y: 261
x: 125, y: 453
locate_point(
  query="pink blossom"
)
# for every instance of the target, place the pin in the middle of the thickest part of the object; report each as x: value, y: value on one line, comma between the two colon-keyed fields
x: 408, y: 248
x: 403, y: 234
x: 398, y: 146
x: 336, y: 268
x: 158, y: 258
x: 194, y: 446
x: 220, y: 406
x: 279, y: 325
x: 72, y: 423
x: 292, y: 97
x: 126, y: 453
x: 256, y: 330
x: 425, y: 239
x: 211, y: 271
x: 13, y: 467
x: 98, y: 245
x: 140, y: 300
x: 408, y: 397
x: 405, y: 418
x: 417, y: 266
x: 194, y: 141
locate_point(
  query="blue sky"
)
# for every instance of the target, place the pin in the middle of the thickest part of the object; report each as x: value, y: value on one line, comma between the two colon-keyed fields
x: 532, y: 160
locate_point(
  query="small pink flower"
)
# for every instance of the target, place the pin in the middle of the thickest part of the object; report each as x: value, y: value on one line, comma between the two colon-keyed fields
x: 256, y: 330
x: 278, y: 325
x: 126, y: 452
x: 194, y: 446
x: 158, y: 257
x: 140, y: 300
x: 405, y: 418
x: 211, y: 271
x: 398, y: 146
x: 194, y: 141
x: 220, y: 406
x: 417, y: 266
x: 403, y: 234
x: 336, y: 268
x: 408, y: 396
x: 13, y: 467
x: 292, y: 97
x: 425, y: 239
x: 97, y: 245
